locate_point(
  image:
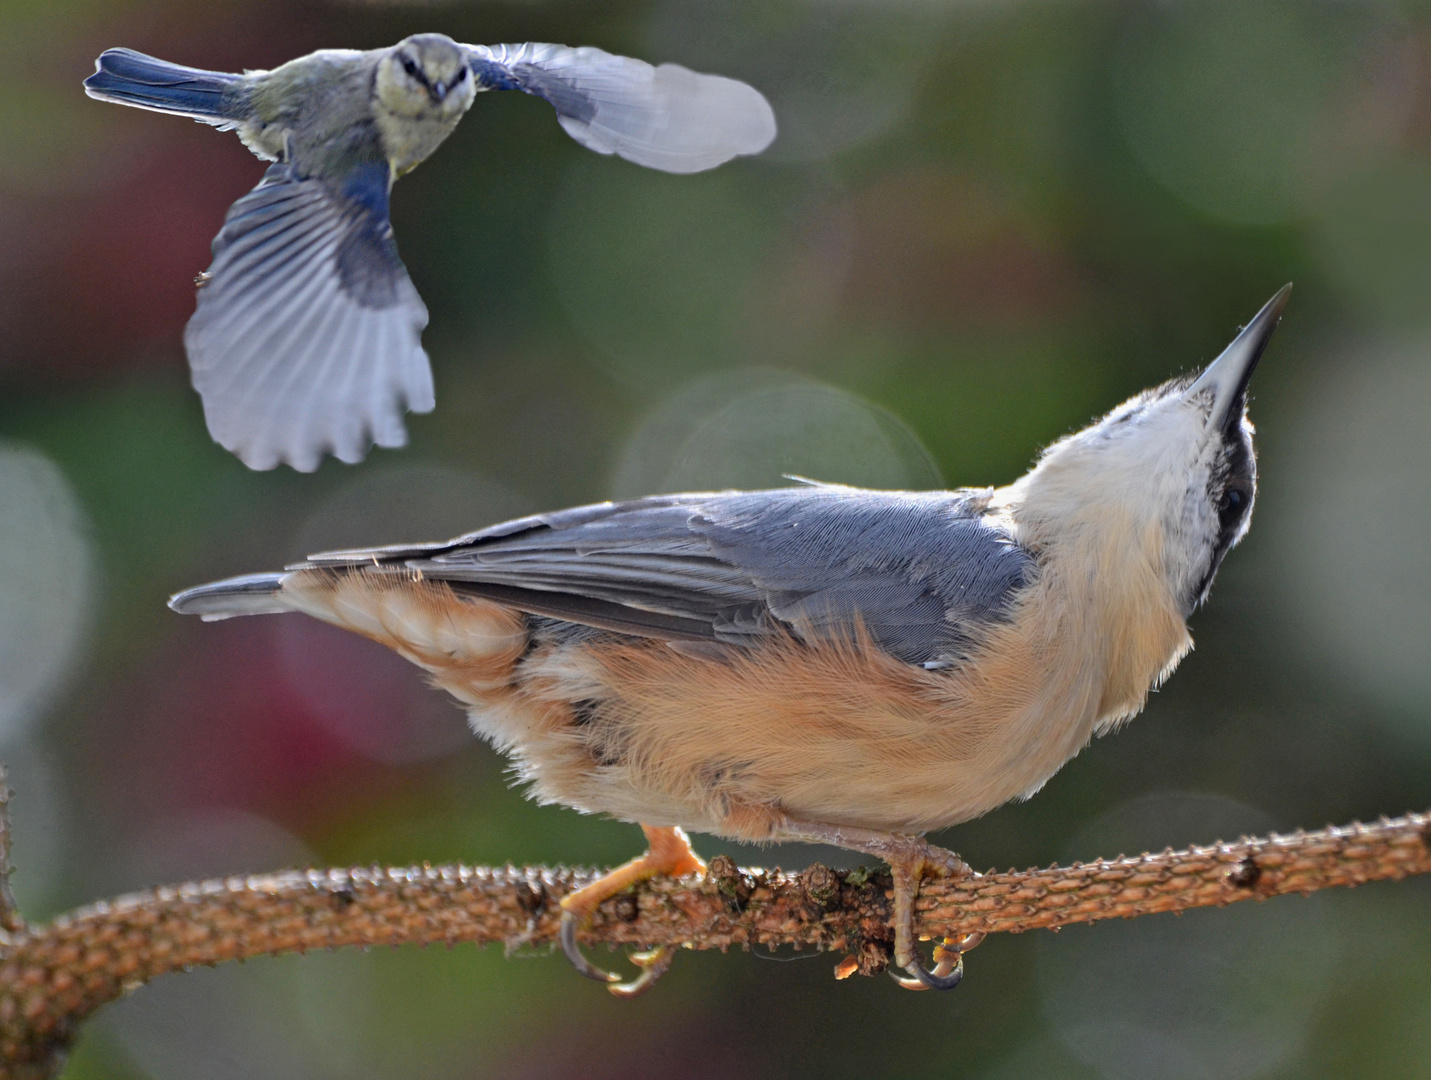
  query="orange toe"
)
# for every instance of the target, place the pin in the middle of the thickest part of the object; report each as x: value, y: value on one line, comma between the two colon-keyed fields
x: 669, y: 854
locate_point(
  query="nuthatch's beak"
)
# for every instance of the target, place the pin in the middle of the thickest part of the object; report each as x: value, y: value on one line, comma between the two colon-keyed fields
x: 1228, y: 375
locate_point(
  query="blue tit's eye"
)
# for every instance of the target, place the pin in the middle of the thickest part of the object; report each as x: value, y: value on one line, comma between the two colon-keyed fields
x: 461, y: 74
x: 410, y: 66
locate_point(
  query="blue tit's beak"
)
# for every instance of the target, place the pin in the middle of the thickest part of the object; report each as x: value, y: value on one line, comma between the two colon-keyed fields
x: 439, y: 90
x: 1229, y: 374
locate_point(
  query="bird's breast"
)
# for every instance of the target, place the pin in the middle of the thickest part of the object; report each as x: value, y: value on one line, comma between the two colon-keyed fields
x: 835, y: 731
x: 408, y: 140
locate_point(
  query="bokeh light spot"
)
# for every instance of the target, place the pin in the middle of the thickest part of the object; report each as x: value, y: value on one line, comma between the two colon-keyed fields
x: 1222, y: 100
x: 712, y: 436
x: 46, y: 578
x: 671, y: 276
x: 653, y: 268
x: 1350, y: 515
x: 837, y: 73
x: 406, y: 504
x: 1374, y: 239
x: 1223, y: 993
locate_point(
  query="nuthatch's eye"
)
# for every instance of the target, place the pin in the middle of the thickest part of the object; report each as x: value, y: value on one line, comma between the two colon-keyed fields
x: 1233, y: 502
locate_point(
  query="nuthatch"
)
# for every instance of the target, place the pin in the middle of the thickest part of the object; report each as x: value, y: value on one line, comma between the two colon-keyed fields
x: 818, y: 663
x: 307, y: 334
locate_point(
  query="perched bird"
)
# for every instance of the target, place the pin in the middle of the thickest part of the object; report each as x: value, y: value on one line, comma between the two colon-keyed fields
x: 306, y: 338
x: 818, y: 663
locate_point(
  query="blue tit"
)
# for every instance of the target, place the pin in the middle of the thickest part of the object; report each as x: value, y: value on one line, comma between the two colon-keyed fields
x: 306, y: 338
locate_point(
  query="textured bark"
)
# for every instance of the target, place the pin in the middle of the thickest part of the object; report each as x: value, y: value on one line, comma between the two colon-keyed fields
x: 52, y: 977
x: 10, y: 920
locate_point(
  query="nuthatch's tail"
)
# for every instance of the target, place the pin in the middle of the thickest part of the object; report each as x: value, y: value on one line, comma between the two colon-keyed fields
x: 146, y: 82
x: 251, y: 594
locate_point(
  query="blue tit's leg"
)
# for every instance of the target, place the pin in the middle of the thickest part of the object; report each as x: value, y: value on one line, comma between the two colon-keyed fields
x: 670, y: 854
x: 307, y: 335
x: 665, y: 117
x: 911, y: 859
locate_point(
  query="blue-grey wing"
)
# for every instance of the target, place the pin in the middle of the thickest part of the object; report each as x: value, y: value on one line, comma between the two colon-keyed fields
x: 307, y: 335
x: 920, y: 572
x: 665, y: 117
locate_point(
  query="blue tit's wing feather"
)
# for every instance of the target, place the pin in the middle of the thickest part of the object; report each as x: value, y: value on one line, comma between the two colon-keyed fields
x: 146, y: 82
x: 307, y: 335
x: 666, y: 117
x: 922, y: 572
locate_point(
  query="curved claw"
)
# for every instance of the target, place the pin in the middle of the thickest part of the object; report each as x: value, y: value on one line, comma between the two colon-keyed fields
x: 948, y: 966
x: 569, y: 923
x: 654, y: 962
x: 939, y: 979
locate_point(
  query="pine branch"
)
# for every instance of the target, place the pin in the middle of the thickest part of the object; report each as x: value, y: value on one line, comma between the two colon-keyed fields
x: 52, y: 977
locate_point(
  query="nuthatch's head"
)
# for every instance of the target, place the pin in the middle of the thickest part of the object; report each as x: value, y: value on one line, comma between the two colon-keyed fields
x: 425, y: 75
x: 1171, y: 472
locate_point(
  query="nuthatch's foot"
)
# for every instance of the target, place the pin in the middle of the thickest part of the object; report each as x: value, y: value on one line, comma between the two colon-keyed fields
x: 911, y: 859
x: 670, y: 854
x: 948, y: 969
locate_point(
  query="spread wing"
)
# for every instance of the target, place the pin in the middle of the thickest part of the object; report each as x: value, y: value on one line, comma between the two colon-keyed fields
x: 922, y: 572
x: 666, y: 117
x: 307, y: 335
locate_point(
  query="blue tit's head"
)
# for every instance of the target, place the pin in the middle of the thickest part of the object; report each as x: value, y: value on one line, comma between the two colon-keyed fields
x: 425, y: 76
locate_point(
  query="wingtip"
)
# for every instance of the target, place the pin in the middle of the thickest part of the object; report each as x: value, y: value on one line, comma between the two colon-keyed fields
x: 249, y: 594
x: 769, y: 127
x: 745, y: 115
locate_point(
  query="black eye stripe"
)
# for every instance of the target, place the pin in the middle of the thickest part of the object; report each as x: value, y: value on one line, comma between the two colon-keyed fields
x: 1229, y: 493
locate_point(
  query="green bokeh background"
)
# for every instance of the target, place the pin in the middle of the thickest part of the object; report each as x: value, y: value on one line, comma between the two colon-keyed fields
x: 983, y: 223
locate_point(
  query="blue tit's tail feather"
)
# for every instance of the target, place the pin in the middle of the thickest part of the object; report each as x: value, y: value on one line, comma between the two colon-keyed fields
x: 132, y: 78
x: 251, y: 594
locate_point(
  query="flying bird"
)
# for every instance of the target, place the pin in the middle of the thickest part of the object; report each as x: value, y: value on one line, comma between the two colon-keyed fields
x: 306, y: 338
x: 818, y: 663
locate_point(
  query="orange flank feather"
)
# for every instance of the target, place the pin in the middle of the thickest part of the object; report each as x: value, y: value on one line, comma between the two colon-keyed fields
x: 833, y: 731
